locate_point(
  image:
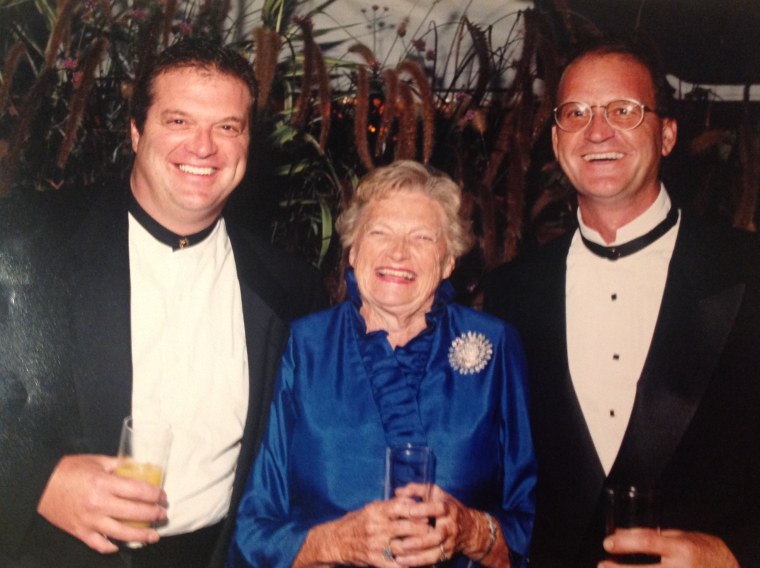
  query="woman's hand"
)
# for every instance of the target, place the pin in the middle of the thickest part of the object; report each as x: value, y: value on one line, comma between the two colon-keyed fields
x: 370, y: 537
x: 457, y: 529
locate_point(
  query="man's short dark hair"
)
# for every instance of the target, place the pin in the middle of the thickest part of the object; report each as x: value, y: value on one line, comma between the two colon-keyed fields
x: 193, y: 53
x: 642, y: 50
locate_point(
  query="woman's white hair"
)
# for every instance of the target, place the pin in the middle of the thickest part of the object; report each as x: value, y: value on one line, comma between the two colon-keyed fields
x: 409, y: 176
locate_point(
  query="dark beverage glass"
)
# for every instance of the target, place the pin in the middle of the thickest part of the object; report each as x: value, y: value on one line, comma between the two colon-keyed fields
x: 629, y: 507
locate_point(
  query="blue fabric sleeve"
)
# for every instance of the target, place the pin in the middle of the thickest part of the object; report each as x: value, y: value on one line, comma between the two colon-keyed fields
x: 519, y: 463
x: 265, y: 533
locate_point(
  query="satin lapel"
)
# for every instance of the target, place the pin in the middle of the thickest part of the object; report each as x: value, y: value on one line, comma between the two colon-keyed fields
x: 101, y: 325
x: 699, y: 306
x: 253, y: 270
x: 575, y: 477
x: 265, y: 336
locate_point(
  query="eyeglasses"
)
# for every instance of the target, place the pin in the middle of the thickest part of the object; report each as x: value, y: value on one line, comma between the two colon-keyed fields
x: 574, y: 116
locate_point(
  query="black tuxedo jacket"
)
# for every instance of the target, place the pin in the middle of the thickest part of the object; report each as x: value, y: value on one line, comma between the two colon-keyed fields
x: 93, y: 382
x: 694, y: 432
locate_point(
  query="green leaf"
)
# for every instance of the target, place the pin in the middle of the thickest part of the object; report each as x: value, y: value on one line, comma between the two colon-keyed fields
x: 327, y: 230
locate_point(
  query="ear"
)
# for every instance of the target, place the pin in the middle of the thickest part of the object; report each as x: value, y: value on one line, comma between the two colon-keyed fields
x: 134, y: 135
x: 450, y: 263
x: 554, y: 140
x: 351, y: 256
x: 669, y: 135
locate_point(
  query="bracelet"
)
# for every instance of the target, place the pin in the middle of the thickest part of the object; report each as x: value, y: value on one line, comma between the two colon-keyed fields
x: 491, y: 536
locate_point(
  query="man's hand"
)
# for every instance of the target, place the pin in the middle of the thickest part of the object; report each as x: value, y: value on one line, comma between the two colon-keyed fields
x: 677, y: 549
x: 85, y: 499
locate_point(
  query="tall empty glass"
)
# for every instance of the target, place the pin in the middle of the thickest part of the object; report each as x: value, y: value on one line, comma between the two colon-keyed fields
x: 408, y: 464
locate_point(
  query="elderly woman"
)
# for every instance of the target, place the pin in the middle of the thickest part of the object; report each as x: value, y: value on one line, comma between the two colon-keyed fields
x: 397, y: 363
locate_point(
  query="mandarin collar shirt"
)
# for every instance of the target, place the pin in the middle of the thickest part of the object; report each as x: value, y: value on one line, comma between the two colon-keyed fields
x: 190, y: 366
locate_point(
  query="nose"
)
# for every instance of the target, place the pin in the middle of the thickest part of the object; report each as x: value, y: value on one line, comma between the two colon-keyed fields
x: 201, y: 142
x: 599, y: 129
x: 399, y: 248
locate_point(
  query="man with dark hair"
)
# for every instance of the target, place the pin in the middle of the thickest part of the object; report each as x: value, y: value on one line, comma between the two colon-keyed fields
x: 176, y: 314
x: 642, y: 334
x: 197, y: 53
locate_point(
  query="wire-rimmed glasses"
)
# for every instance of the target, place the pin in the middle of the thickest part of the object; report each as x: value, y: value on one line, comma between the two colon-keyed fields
x: 622, y: 114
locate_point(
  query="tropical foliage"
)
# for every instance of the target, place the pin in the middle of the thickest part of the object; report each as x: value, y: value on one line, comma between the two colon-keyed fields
x: 476, y: 109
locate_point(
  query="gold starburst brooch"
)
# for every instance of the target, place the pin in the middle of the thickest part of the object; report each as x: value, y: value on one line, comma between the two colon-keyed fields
x: 470, y: 353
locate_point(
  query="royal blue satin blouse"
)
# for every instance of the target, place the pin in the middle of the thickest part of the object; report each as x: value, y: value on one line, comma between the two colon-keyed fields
x: 343, y: 395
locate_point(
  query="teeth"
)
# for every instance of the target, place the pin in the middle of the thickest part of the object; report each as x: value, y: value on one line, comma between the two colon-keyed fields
x: 603, y: 156
x: 397, y: 273
x: 198, y: 171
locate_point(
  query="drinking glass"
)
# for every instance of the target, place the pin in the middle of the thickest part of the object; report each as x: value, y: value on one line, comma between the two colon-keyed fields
x: 408, y: 464
x: 628, y: 507
x: 143, y: 454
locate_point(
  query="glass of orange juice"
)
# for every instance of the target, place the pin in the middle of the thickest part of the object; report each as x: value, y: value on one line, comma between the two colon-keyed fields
x: 143, y: 454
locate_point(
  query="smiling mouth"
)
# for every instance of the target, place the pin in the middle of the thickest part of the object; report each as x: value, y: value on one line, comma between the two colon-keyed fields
x: 603, y: 157
x: 196, y: 170
x: 406, y: 275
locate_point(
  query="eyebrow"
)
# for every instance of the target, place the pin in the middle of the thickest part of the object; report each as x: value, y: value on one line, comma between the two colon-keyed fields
x: 176, y: 112
x: 383, y: 223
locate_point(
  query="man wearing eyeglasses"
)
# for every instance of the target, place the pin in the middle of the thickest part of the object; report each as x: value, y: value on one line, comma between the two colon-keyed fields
x: 642, y: 332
